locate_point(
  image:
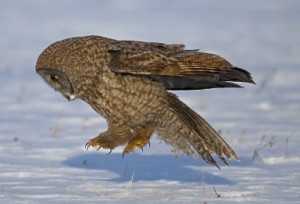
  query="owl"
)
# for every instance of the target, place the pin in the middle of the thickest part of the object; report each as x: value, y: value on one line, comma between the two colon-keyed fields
x: 128, y: 83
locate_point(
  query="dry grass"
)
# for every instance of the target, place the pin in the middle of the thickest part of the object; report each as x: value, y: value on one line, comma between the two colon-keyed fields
x: 217, y: 194
x: 262, y: 146
x: 267, y: 79
x: 287, y: 139
x: 56, y: 128
x: 21, y: 93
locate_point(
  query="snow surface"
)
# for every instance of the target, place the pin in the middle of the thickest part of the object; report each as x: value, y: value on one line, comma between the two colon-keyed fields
x: 42, y: 136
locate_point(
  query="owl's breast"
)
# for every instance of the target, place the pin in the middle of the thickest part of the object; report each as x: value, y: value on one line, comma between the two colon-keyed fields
x: 127, y: 99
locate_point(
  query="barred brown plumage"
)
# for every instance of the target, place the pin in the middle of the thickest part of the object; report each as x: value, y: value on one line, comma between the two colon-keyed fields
x: 127, y: 81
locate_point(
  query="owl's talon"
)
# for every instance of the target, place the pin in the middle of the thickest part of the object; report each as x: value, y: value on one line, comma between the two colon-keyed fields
x: 87, y: 145
x: 137, y: 142
x: 109, y: 151
x: 100, y: 142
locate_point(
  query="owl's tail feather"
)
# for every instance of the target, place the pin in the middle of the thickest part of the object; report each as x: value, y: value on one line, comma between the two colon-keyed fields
x: 192, y: 133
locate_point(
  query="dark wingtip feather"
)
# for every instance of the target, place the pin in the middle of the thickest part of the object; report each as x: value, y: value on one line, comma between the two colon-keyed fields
x: 191, y: 83
x: 239, y: 75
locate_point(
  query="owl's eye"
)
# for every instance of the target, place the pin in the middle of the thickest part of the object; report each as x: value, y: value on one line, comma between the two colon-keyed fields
x: 54, y: 77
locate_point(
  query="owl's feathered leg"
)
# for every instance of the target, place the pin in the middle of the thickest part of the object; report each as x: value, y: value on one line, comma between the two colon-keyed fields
x: 120, y: 135
x: 115, y: 136
x: 141, y: 137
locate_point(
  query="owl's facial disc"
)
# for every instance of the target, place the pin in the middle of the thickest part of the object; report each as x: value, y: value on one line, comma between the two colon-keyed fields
x: 58, y: 81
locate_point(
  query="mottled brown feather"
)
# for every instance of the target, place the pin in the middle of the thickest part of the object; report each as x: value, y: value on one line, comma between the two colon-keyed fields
x: 157, y: 59
x: 127, y: 81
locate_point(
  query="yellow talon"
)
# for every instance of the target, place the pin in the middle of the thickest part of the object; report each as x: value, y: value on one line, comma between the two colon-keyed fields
x: 92, y: 143
x: 140, y: 143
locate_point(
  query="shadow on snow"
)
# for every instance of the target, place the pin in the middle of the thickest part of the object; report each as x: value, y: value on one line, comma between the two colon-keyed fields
x: 147, y: 167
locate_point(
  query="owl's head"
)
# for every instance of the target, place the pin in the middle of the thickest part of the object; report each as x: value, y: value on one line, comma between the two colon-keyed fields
x: 71, y: 66
x: 53, y: 66
x: 58, y: 81
x: 60, y: 65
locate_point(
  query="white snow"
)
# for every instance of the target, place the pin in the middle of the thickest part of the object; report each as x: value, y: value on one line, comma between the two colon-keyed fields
x: 42, y: 135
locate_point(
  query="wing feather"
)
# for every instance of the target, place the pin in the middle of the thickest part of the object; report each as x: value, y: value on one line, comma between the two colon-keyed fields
x: 170, y: 63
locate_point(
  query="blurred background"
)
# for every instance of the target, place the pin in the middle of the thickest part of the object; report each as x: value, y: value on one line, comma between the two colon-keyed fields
x: 262, y: 37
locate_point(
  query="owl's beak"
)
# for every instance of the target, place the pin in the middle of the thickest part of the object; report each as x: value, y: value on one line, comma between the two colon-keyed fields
x: 71, y: 97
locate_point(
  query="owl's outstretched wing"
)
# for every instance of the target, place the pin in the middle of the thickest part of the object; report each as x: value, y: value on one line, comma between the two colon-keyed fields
x: 175, y: 67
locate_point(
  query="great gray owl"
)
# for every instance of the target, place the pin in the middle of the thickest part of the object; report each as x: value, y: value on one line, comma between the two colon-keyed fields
x: 127, y: 82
